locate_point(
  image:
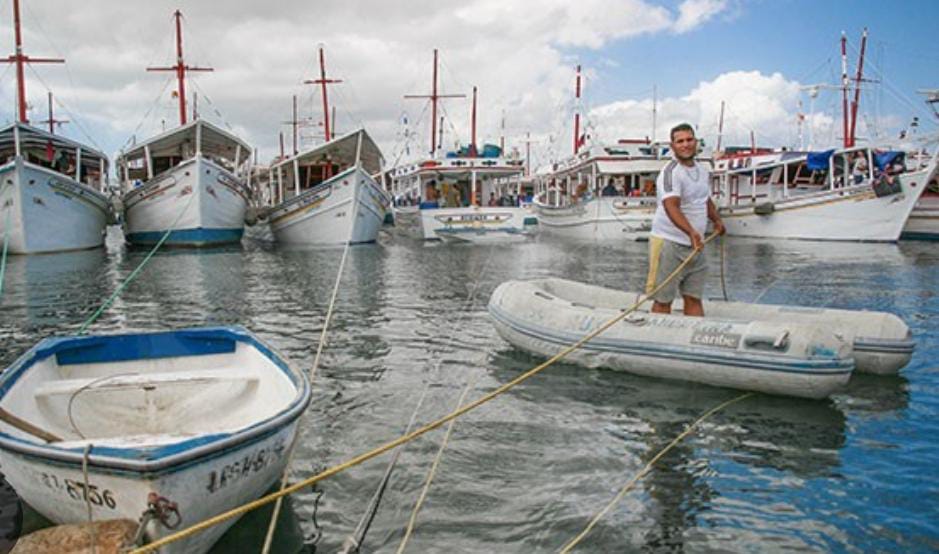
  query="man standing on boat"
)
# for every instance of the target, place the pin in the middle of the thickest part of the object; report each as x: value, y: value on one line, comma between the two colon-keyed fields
x: 680, y: 221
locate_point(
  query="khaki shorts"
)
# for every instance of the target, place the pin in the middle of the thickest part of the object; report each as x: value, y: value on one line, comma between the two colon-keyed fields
x: 664, y: 257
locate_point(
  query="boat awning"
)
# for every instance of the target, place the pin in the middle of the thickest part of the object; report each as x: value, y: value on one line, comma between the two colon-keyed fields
x: 627, y: 167
x: 342, y: 152
x: 816, y: 161
x: 216, y: 142
x: 31, y: 137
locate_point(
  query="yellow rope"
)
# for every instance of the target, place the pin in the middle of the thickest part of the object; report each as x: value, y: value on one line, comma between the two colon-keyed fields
x: 263, y: 501
x: 648, y: 467
x: 430, y: 476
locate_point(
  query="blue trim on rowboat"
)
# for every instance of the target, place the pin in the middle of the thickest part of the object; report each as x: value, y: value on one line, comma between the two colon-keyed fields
x: 820, y: 367
x: 120, y: 348
x: 166, y: 458
x: 188, y: 237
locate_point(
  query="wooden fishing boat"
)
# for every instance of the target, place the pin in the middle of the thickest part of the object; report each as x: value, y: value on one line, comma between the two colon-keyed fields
x: 173, y: 426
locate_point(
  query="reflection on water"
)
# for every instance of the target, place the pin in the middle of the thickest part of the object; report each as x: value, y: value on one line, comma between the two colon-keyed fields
x: 527, y: 471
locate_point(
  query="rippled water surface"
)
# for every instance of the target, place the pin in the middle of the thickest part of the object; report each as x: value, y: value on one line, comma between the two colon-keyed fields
x: 527, y: 471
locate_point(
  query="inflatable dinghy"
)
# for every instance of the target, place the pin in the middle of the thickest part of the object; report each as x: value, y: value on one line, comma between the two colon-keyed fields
x: 782, y: 357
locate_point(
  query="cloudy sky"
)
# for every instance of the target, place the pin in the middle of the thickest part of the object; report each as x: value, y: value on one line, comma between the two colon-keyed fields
x: 756, y: 56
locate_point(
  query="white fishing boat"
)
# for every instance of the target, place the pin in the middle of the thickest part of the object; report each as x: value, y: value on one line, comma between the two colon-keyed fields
x: 51, y: 188
x: 820, y: 196
x: 174, y: 427
x: 774, y: 349
x: 191, y: 181
x: 328, y: 195
x: 469, y: 195
x: 602, y: 192
x: 923, y: 223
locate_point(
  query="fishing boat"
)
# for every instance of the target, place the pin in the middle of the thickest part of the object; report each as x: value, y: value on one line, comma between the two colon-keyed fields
x: 602, y: 191
x: 52, y: 195
x: 173, y: 427
x: 328, y: 195
x: 779, y: 350
x: 190, y: 182
x: 846, y: 194
x: 468, y: 195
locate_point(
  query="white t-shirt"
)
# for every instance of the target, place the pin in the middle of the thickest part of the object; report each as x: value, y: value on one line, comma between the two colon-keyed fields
x: 692, y: 185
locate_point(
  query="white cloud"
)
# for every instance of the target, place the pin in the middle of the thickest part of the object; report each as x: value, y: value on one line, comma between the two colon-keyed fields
x: 517, y: 53
x: 693, y: 13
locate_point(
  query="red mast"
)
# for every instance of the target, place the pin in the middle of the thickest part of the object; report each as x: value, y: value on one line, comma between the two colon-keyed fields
x: 434, y: 97
x: 844, y: 88
x: 323, y: 81
x: 20, y: 60
x: 577, y: 114
x: 857, y: 87
x: 473, y: 150
x: 52, y: 121
x: 180, y: 68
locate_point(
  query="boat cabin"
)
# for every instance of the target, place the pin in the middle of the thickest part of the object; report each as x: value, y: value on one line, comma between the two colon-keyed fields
x: 294, y: 175
x: 164, y: 152
x: 55, y: 153
x: 454, y: 182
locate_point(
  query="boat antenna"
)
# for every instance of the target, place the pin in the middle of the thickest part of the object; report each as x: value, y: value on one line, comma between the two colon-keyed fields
x: 655, y: 110
x: 323, y: 81
x: 720, y: 128
x: 20, y: 59
x: 294, y: 124
x: 180, y: 68
x: 434, y: 97
x: 473, y: 150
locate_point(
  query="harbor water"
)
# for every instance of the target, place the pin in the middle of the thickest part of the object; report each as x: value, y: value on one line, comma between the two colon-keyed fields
x: 526, y: 472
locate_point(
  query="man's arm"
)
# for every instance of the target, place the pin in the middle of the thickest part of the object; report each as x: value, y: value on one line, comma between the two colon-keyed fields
x: 672, y: 206
x: 715, y: 218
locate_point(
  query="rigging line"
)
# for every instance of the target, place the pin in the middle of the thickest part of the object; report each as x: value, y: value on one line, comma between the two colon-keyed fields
x: 899, y: 95
x: 214, y: 106
x: 71, y: 114
x: 137, y: 270
x: 436, y: 424
x: 648, y: 467
x: 156, y: 102
x: 272, y: 526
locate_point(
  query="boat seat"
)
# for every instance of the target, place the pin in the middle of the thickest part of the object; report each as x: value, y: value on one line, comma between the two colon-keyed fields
x: 143, y: 381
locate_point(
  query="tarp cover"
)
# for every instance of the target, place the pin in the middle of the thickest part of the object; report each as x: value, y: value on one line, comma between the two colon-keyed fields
x: 884, y: 159
x: 815, y: 161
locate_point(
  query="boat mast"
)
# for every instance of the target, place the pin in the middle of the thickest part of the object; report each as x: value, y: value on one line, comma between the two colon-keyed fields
x: 654, y: 110
x: 21, y: 60
x: 720, y: 128
x: 577, y: 113
x: 323, y: 81
x: 857, y: 86
x: 52, y: 121
x: 473, y: 150
x: 844, y: 88
x: 434, y: 97
x: 180, y: 68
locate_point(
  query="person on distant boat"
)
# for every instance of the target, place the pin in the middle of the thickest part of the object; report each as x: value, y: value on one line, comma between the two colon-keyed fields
x: 492, y: 199
x: 859, y: 169
x: 681, y: 218
x: 609, y: 189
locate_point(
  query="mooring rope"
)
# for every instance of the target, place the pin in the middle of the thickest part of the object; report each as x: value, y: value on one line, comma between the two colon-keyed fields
x: 272, y: 526
x: 263, y: 501
x: 648, y: 467
x: 3, y: 257
x: 353, y: 543
x: 137, y: 270
x: 723, y: 282
x: 431, y: 473
x: 91, y: 521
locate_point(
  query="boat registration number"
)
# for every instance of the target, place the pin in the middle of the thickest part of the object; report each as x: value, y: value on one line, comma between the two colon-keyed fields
x: 252, y: 462
x: 78, y: 491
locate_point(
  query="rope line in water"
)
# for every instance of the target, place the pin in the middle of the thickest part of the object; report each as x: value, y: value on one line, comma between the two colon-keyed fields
x: 263, y: 501
x: 137, y: 270
x: 3, y: 257
x: 272, y: 526
x: 648, y: 467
